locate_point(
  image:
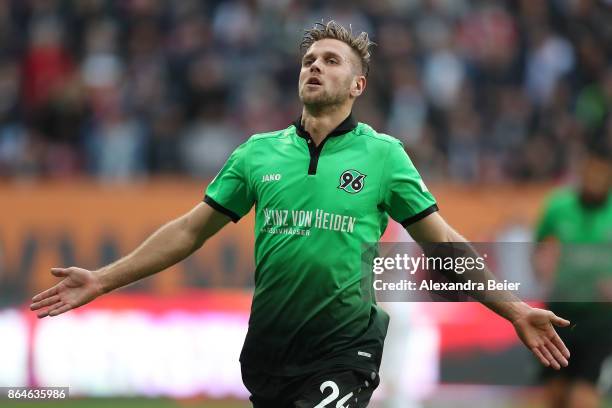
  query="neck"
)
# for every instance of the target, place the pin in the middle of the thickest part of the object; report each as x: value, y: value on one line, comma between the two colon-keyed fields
x: 593, y: 201
x: 320, y: 123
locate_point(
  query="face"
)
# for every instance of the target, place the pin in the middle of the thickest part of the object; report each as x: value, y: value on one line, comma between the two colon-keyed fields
x: 330, y: 75
x: 596, y: 177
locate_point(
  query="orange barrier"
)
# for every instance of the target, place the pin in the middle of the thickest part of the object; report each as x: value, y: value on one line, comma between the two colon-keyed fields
x: 52, y: 224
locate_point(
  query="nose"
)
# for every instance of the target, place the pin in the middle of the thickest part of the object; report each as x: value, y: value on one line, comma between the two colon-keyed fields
x: 314, y: 66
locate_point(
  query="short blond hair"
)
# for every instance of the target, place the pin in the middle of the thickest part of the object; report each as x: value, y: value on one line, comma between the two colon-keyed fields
x: 360, y: 44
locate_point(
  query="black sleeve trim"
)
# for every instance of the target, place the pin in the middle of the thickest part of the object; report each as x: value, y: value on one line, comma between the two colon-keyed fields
x: 235, y: 217
x: 418, y: 217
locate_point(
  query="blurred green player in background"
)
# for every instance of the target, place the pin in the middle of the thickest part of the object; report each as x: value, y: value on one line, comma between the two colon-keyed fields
x: 578, y: 224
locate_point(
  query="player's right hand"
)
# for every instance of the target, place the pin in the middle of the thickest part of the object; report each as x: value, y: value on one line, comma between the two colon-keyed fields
x: 79, y: 286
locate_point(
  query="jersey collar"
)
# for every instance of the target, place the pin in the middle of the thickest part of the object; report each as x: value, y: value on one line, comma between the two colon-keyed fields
x: 347, y: 125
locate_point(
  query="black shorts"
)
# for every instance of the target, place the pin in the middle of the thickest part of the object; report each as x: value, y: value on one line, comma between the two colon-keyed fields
x: 337, y: 387
x: 589, y: 340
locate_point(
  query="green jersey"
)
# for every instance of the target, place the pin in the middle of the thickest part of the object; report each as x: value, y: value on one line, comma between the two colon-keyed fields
x: 315, y: 207
x: 585, y: 233
x: 569, y: 221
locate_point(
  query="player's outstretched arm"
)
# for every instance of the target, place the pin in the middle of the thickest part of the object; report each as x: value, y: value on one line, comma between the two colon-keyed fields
x: 170, y: 244
x: 535, y: 327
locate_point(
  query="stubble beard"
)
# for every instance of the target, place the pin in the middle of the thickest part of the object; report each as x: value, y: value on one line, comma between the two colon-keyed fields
x: 323, y: 100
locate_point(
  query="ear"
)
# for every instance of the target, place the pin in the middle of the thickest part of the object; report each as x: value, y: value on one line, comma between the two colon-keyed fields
x: 358, y: 85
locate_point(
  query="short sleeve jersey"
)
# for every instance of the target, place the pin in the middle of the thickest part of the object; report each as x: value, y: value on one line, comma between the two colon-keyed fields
x: 315, y: 207
x: 585, y: 233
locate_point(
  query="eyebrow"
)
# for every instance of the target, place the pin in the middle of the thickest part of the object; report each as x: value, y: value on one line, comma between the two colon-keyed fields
x: 325, y: 54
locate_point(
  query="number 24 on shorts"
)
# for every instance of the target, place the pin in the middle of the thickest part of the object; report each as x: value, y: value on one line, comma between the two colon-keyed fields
x: 335, y: 393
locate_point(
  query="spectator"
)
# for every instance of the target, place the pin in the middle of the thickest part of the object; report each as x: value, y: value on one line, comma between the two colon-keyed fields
x: 478, y: 90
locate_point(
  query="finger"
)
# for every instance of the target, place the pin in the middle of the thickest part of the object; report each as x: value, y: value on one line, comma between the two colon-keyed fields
x: 559, y: 321
x: 60, y: 272
x: 556, y: 353
x: 62, y: 309
x: 47, y: 312
x: 549, y: 357
x: 540, y: 356
x: 556, y: 340
x: 42, y: 295
x: 46, y: 302
x: 43, y: 313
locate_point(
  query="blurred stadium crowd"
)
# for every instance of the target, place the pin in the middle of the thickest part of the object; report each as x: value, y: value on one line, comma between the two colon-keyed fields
x: 479, y: 91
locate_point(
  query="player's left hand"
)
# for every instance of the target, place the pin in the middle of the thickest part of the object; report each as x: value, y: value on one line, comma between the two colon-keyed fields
x: 536, y: 330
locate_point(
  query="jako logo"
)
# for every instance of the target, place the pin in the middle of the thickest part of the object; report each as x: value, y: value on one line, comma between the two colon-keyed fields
x: 270, y: 177
x: 351, y: 181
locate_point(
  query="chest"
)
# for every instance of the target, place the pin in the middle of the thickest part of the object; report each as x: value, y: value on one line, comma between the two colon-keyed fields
x: 340, y: 181
x: 586, y: 227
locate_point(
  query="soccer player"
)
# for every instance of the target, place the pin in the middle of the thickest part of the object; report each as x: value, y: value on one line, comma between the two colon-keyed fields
x: 580, y: 221
x: 321, y: 188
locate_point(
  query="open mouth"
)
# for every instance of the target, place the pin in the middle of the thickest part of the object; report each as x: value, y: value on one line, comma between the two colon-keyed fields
x: 313, y: 81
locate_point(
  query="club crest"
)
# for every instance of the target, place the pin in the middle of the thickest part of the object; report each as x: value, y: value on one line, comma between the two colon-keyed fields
x: 351, y: 181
